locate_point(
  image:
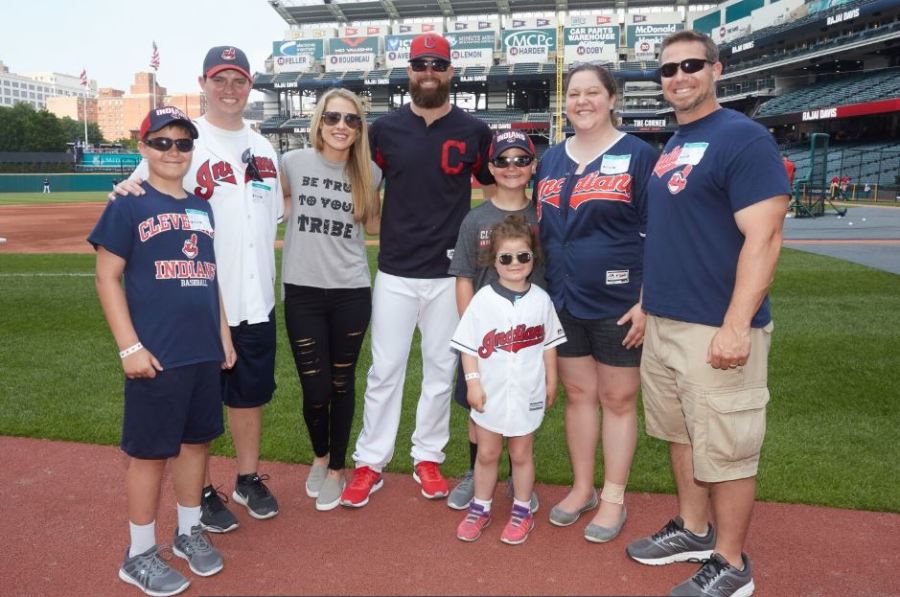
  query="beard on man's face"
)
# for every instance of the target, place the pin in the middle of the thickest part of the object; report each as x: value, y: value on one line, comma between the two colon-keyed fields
x: 429, y: 98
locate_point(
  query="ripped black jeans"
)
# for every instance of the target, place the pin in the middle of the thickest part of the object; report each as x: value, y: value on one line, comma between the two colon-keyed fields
x: 326, y: 328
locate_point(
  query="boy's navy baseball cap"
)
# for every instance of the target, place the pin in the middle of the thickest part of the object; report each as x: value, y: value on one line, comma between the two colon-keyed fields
x: 429, y: 45
x: 508, y: 139
x: 226, y: 58
x: 162, y: 117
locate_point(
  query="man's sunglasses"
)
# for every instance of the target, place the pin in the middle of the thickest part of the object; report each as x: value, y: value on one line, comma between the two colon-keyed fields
x: 353, y: 121
x: 250, y: 160
x: 521, y: 257
x: 689, y: 66
x: 438, y: 66
x: 165, y: 144
x: 520, y: 160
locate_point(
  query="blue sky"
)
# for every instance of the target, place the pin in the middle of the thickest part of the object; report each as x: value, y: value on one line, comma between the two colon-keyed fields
x: 114, y: 39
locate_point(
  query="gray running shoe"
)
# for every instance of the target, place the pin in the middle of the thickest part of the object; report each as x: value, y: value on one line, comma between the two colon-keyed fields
x: 511, y: 493
x: 718, y: 578
x: 256, y: 497
x: 214, y: 516
x: 315, y: 478
x: 462, y: 494
x: 329, y: 496
x: 673, y: 543
x: 148, y: 572
x: 202, y: 557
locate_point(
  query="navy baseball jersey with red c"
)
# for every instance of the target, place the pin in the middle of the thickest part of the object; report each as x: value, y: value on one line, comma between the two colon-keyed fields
x: 427, y: 171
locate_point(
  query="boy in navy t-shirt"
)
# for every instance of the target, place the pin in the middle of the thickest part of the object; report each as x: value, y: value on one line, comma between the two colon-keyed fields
x: 173, y: 339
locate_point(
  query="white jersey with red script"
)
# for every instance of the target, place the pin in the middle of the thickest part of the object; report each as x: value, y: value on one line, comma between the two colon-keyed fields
x: 508, y: 333
x: 247, y: 210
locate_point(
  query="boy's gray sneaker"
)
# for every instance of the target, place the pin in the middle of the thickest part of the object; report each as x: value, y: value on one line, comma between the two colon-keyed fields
x: 256, y: 497
x: 214, y: 516
x: 202, y: 557
x: 148, y: 572
x: 673, y: 543
x: 511, y: 493
x: 462, y: 494
x: 315, y: 478
x: 718, y: 578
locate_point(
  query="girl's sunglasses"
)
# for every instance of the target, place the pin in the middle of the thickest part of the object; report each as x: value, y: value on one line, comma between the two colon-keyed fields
x: 353, y: 121
x: 689, y: 66
x: 165, y: 144
x: 520, y: 160
x: 438, y: 66
x: 521, y: 257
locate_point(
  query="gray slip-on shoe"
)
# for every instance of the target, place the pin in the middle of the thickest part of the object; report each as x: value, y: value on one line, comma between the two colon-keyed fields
x: 315, y: 478
x: 596, y: 533
x: 561, y: 518
x: 329, y: 496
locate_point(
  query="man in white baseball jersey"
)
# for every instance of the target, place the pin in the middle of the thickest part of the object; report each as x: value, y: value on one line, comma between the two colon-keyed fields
x: 235, y: 169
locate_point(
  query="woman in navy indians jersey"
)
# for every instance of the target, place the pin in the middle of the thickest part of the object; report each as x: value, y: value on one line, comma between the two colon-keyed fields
x: 591, y: 201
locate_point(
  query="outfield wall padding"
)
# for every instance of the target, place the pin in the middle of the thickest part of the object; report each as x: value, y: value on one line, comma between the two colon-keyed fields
x: 59, y: 183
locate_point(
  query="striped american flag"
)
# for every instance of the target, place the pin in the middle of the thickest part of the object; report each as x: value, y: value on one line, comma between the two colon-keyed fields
x: 154, y: 58
x: 84, y: 79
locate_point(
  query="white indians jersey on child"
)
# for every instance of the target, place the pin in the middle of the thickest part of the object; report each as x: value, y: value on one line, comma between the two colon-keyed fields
x: 246, y: 211
x: 509, y: 333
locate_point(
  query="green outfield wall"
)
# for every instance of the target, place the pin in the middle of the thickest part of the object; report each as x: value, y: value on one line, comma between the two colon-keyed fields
x: 33, y: 183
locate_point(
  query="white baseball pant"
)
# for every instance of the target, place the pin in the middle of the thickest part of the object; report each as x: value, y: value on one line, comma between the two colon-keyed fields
x: 398, y: 306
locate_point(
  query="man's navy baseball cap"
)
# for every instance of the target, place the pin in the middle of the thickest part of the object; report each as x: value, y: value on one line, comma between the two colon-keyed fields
x: 226, y: 58
x: 429, y: 45
x: 508, y: 139
x: 162, y: 117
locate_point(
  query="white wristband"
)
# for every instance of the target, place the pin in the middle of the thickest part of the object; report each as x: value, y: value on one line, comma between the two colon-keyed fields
x: 474, y: 375
x: 130, y: 350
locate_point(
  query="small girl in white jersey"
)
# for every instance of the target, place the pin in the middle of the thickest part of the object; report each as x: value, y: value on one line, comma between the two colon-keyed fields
x: 507, y: 338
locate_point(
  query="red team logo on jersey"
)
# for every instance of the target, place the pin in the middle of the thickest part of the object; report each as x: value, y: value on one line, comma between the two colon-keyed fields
x: 452, y: 152
x: 190, y: 248
x: 593, y: 187
x: 513, y: 340
x: 668, y: 162
x: 264, y: 166
x: 211, y: 176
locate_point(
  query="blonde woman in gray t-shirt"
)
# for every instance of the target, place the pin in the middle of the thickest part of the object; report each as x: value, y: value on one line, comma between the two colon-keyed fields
x: 331, y: 195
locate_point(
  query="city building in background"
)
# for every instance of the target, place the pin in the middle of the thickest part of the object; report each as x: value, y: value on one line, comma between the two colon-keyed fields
x: 36, y: 88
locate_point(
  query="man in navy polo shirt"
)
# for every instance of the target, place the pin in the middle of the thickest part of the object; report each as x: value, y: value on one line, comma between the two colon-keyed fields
x: 428, y: 151
x: 717, y: 198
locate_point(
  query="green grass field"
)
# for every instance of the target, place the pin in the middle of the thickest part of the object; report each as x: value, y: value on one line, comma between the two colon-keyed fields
x: 40, y: 198
x: 833, y: 418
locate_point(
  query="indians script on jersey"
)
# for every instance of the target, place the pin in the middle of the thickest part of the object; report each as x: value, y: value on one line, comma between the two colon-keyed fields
x: 591, y: 187
x: 512, y: 340
x: 212, y: 174
x: 681, y: 156
x: 190, y: 271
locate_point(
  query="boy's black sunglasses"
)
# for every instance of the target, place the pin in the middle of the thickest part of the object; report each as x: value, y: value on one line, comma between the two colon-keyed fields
x: 165, y: 144
x: 521, y: 257
x: 519, y: 160
x: 352, y: 121
x: 689, y: 66
x: 438, y: 66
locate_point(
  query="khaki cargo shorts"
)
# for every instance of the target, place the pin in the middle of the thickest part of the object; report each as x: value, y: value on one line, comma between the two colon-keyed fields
x: 720, y: 413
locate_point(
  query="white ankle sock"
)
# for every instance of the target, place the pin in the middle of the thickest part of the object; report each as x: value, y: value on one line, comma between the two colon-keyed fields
x: 187, y: 517
x: 526, y: 505
x: 486, y: 504
x: 143, y: 537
